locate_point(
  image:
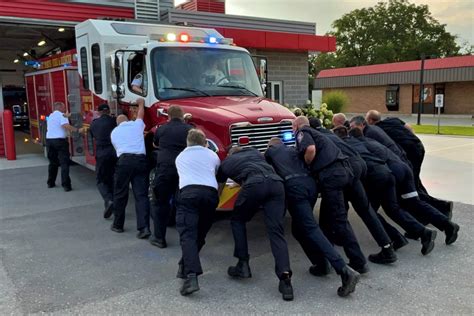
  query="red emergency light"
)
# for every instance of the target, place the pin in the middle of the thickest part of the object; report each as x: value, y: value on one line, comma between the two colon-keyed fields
x: 42, y: 117
x: 183, y: 37
x: 243, y: 140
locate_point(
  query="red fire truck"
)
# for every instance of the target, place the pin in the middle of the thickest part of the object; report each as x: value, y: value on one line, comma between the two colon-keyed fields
x: 219, y: 84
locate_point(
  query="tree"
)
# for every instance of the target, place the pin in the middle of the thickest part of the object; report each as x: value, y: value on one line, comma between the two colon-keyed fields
x: 390, y: 31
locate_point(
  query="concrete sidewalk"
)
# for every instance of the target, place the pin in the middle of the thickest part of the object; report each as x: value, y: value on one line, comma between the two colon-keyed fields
x: 57, y: 255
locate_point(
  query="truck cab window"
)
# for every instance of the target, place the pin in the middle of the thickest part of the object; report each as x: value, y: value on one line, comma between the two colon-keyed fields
x: 186, y: 72
x: 137, y: 75
x: 96, y: 68
x: 84, y: 68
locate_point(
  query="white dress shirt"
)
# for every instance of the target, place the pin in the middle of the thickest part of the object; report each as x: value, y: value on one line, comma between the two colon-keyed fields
x: 197, y: 165
x: 127, y: 138
x: 54, y: 124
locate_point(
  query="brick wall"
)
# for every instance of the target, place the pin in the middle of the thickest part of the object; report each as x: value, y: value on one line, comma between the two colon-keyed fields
x: 362, y: 99
x: 292, y: 70
x: 459, y: 98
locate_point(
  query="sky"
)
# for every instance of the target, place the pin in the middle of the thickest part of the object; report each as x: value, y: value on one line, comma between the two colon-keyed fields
x: 458, y: 15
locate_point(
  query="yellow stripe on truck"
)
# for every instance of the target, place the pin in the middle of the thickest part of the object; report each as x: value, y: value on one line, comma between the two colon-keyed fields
x: 228, y: 197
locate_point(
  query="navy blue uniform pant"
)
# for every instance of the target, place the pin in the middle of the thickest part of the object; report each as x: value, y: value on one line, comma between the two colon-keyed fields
x: 269, y: 193
x: 58, y: 155
x: 355, y: 193
x: 301, y: 195
x: 196, y: 205
x: 409, y: 199
x: 332, y: 181
x: 416, y: 154
x: 131, y: 169
x: 165, y: 188
x: 105, y: 162
x: 382, y: 190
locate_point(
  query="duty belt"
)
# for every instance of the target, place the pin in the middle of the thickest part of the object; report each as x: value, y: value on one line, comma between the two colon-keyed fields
x: 296, y: 175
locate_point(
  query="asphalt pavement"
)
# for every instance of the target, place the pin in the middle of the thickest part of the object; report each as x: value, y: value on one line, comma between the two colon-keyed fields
x: 58, y: 256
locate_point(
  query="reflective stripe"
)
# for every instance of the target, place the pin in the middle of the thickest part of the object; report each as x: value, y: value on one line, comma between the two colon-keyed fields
x: 409, y: 195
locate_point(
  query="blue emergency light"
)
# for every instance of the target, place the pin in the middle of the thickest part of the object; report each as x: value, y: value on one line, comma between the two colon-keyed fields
x: 287, y: 136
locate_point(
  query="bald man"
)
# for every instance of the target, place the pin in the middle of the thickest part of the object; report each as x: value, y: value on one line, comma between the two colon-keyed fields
x: 127, y: 139
x: 339, y: 119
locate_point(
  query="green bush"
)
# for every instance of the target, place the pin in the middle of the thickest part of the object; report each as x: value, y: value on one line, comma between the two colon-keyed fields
x: 309, y: 110
x: 336, y: 100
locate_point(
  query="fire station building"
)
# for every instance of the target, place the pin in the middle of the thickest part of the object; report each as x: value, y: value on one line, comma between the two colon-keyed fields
x: 34, y: 29
x: 395, y: 87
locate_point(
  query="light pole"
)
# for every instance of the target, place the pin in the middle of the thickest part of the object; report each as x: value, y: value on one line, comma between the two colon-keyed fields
x: 420, y: 101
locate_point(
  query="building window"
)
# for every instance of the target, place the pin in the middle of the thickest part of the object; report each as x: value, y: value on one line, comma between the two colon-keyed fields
x: 275, y: 91
x: 84, y: 69
x: 392, y: 98
x: 96, y: 68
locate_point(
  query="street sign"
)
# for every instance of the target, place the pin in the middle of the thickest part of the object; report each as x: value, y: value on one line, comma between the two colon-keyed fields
x: 439, y: 103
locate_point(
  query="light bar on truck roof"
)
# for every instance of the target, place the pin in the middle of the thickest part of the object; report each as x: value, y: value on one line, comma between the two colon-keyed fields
x: 186, y: 38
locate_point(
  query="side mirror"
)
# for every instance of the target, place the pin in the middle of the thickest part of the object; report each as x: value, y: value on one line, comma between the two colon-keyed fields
x: 161, y: 112
x: 263, y: 71
x: 71, y: 98
x: 118, y: 90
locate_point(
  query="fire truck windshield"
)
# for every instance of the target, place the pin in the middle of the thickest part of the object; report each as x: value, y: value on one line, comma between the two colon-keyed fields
x: 185, y: 72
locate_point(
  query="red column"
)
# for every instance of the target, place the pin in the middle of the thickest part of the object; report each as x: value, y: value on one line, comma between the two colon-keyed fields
x: 9, y: 135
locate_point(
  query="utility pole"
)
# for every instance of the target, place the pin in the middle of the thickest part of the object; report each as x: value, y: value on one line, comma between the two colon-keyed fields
x: 420, y: 101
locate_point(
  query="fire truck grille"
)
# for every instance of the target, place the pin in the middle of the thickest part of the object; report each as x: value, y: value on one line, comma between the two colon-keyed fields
x: 260, y: 134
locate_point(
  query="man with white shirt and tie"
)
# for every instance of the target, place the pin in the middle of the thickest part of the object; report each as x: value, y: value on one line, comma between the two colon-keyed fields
x: 58, y: 146
x: 198, y: 198
x: 129, y: 143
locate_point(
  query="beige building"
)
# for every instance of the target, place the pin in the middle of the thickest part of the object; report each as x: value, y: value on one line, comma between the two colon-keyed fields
x: 395, y: 87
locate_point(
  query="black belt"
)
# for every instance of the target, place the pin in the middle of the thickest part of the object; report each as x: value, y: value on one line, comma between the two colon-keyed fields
x: 198, y: 186
x: 133, y: 155
x: 296, y: 175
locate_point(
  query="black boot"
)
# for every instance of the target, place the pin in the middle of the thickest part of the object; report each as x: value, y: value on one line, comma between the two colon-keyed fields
x: 427, y: 241
x: 180, y: 274
x: 109, y: 209
x: 190, y: 285
x: 349, y: 280
x: 361, y: 269
x: 285, y: 287
x: 144, y: 233
x: 241, y: 270
x: 385, y: 256
x: 451, y: 232
x: 321, y: 269
x: 158, y: 242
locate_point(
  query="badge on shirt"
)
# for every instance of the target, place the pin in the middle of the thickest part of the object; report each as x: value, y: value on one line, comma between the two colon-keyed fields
x: 299, y: 137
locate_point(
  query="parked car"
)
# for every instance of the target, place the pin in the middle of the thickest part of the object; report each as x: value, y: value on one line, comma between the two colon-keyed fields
x: 20, y: 117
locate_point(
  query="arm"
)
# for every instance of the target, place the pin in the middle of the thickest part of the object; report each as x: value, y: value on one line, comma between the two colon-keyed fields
x: 70, y: 128
x: 137, y: 89
x: 141, y: 108
x: 309, y: 154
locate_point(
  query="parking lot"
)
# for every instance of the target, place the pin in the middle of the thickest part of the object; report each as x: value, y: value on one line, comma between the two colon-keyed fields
x: 58, y: 255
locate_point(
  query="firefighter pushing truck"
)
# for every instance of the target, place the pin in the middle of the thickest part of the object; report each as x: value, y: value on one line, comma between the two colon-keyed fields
x: 219, y: 85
